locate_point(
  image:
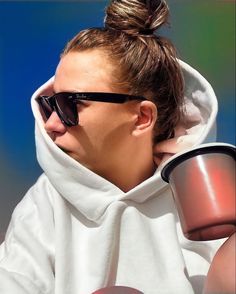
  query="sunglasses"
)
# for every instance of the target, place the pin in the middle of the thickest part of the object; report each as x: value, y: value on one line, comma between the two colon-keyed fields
x: 65, y: 104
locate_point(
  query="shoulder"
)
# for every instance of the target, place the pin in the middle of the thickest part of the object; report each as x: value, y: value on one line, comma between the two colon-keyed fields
x: 35, y: 212
x: 40, y: 194
x: 28, y: 249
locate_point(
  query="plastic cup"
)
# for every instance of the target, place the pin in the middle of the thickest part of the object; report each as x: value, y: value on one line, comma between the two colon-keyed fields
x: 202, y: 181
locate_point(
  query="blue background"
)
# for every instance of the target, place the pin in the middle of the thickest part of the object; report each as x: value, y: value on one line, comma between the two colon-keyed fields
x: 32, y: 36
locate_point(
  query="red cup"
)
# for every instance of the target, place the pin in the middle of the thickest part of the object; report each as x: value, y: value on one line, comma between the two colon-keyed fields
x: 202, y: 181
x: 118, y: 290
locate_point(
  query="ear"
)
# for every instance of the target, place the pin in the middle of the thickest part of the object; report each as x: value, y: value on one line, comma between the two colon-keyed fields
x: 146, y: 118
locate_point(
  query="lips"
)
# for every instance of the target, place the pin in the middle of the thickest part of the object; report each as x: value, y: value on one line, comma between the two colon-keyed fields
x: 63, y: 148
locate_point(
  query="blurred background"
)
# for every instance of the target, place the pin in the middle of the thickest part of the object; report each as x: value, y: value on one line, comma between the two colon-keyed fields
x: 32, y: 36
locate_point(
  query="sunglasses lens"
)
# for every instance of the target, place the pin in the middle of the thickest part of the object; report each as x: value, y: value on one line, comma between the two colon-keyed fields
x: 46, y: 109
x: 67, y: 109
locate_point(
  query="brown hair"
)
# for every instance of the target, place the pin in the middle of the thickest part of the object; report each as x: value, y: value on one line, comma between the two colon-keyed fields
x: 146, y: 63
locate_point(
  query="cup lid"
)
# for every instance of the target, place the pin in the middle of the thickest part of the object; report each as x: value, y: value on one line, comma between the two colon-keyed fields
x: 178, y: 158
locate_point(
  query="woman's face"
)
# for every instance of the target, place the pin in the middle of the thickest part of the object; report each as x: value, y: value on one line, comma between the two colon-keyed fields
x: 103, y: 134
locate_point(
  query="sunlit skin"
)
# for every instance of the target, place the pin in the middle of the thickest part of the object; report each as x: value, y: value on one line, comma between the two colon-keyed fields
x: 113, y: 140
x: 221, y: 277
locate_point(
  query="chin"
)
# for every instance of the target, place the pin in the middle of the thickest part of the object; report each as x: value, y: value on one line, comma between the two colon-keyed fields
x: 63, y: 149
x: 72, y: 155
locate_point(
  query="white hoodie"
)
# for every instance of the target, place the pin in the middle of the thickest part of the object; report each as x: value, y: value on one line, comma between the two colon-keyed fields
x: 74, y: 232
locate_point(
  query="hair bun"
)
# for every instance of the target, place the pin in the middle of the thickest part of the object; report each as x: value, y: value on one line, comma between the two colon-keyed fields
x: 136, y: 17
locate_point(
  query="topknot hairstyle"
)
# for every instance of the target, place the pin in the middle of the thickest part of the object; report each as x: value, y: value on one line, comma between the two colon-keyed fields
x: 145, y: 63
x: 136, y: 17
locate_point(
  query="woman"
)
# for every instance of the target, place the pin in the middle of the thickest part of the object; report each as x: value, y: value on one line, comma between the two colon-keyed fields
x: 100, y: 215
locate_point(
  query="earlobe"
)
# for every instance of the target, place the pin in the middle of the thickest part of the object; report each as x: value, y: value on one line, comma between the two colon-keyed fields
x: 146, y: 119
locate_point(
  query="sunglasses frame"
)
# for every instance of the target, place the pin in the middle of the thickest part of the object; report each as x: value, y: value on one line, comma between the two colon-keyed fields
x: 76, y: 97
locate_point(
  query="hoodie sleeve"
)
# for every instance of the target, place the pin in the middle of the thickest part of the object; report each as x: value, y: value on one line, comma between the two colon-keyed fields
x: 26, y: 256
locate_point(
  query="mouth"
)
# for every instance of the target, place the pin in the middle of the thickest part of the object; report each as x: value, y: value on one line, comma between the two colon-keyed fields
x: 68, y: 152
x: 63, y: 149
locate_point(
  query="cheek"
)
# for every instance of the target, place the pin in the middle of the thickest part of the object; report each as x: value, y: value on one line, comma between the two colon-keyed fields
x: 87, y: 138
x: 103, y: 127
x: 98, y: 122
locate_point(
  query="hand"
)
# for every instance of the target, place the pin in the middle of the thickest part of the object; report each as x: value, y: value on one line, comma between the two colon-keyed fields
x: 221, y: 277
x: 118, y: 290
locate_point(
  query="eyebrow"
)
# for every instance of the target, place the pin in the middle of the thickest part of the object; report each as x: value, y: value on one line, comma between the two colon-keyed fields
x: 69, y: 91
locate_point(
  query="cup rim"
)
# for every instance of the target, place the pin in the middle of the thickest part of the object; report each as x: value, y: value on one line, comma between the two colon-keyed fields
x: 207, y: 148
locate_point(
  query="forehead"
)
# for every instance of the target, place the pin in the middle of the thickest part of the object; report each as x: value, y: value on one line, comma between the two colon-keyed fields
x: 85, y: 71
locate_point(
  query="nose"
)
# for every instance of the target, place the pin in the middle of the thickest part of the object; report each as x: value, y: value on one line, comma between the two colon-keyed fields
x: 54, y: 125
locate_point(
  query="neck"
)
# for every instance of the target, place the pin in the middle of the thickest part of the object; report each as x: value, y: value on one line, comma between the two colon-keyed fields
x: 130, y: 169
x: 129, y: 178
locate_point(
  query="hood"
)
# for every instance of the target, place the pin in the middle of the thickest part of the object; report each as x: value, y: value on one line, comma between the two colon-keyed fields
x: 92, y: 194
